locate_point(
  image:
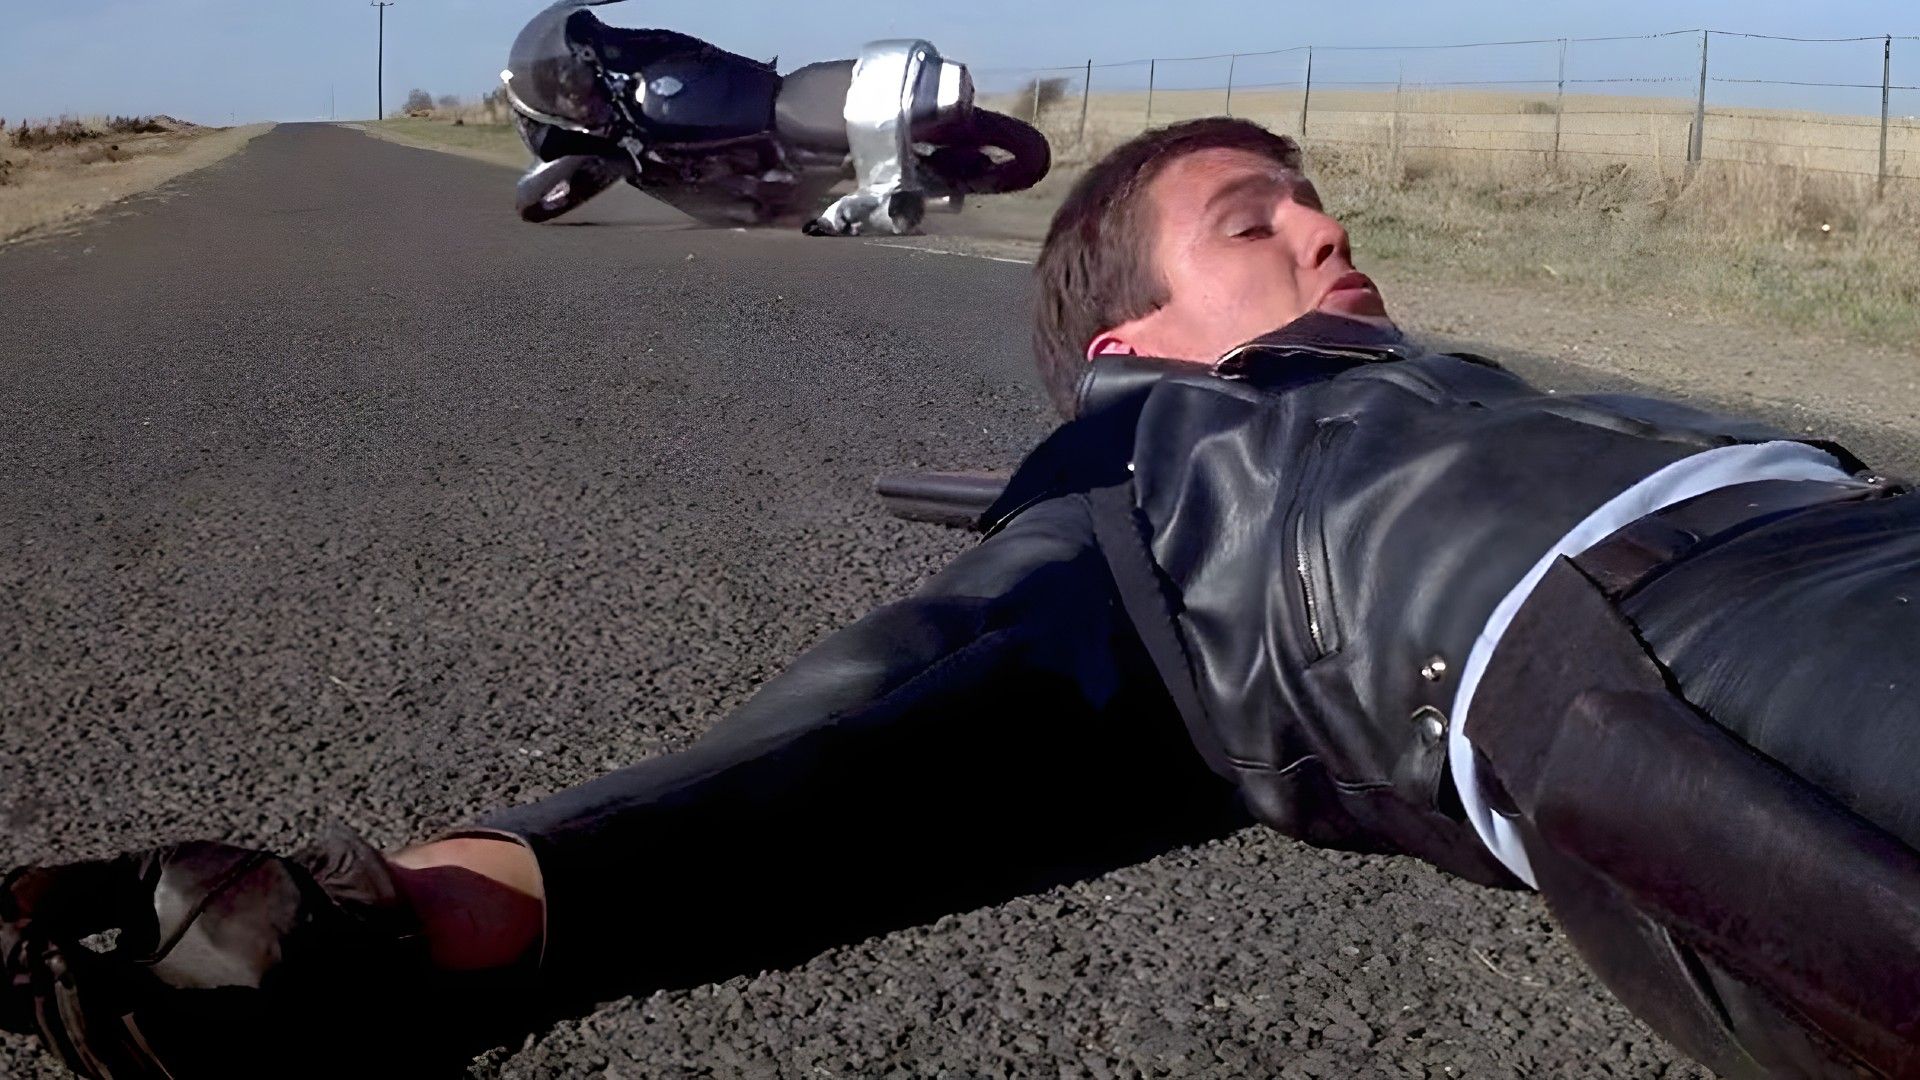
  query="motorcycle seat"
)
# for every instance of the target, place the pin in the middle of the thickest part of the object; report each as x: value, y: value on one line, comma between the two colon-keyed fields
x: 811, y: 109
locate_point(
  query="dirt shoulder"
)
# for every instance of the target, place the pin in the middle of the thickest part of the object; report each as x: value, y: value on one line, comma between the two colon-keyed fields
x: 50, y: 189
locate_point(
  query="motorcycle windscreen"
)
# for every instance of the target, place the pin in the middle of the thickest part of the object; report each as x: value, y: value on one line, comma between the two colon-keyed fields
x: 546, y: 77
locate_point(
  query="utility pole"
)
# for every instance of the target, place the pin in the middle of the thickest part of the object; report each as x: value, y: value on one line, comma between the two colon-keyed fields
x: 380, y: 64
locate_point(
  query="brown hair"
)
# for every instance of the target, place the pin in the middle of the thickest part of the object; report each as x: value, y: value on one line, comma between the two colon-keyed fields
x: 1096, y: 270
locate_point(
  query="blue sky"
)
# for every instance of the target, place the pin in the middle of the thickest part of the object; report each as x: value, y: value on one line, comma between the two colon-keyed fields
x: 220, y: 61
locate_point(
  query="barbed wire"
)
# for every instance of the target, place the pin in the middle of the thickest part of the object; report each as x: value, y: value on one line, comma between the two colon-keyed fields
x: 1791, y: 82
x: 1548, y: 100
x: 1466, y: 45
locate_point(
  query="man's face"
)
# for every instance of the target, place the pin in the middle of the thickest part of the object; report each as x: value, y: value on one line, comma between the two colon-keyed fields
x: 1243, y: 247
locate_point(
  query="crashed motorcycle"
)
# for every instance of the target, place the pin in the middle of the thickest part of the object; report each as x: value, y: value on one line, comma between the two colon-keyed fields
x: 729, y: 141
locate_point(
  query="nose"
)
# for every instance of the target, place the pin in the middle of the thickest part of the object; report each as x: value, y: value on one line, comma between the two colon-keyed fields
x: 1317, y: 239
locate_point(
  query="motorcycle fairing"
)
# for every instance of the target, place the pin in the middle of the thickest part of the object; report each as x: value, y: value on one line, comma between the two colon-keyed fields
x: 546, y: 77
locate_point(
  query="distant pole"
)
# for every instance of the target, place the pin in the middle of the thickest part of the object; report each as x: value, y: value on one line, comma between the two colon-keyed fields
x: 1036, y: 100
x: 1560, y: 101
x: 380, y: 63
x: 1151, y: 64
x: 1697, y: 138
x: 1086, y: 95
x: 1886, y: 81
x: 1306, y: 95
x: 1231, y: 62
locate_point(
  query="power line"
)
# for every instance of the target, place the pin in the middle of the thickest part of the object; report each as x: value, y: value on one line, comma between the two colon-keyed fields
x: 1817, y: 40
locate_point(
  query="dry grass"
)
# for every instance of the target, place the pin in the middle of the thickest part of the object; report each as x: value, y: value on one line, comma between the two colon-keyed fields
x: 1784, y: 246
x: 1767, y: 234
x: 497, y: 143
x: 55, y: 172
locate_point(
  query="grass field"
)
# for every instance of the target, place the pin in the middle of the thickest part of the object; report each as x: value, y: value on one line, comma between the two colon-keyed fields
x: 1782, y: 222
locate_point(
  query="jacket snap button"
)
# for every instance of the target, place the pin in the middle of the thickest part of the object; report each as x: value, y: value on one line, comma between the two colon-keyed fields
x: 1435, y: 669
x: 1433, y: 722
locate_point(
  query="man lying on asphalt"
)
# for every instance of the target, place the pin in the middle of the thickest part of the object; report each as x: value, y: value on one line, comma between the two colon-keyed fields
x: 1281, y: 566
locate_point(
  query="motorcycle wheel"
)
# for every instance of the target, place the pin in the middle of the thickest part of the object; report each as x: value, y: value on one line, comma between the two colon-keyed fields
x: 962, y: 161
x: 562, y: 185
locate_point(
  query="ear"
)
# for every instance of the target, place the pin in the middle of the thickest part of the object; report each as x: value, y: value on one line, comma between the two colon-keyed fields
x: 1110, y: 344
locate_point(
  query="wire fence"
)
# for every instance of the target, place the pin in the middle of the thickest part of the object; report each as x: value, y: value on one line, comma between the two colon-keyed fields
x: 1836, y: 105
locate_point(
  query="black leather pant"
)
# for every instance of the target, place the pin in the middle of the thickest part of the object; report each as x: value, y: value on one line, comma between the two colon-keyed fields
x: 1713, y: 763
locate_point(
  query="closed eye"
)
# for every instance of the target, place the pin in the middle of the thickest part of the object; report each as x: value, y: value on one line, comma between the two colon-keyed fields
x: 1261, y: 231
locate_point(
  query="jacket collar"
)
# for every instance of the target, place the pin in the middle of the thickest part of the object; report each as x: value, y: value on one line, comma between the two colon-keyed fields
x: 1313, y: 347
x: 1316, y: 334
x: 1092, y: 449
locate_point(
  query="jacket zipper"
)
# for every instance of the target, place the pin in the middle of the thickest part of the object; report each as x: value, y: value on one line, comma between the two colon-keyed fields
x: 1310, y: 542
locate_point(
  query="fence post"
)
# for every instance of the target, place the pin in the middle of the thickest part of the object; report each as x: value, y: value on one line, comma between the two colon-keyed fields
x: 1037, y: 80
x: 1307, y: 94
x: 1559, y: 102
x: 1232, y: 61
x: 1886, y: 80
x: 1086, y: 95
x: 1393, y: 126
x: 1697, y: 137
x: 1151, y: 65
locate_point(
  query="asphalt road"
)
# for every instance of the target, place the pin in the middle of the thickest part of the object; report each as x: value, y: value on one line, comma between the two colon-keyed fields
x: 328, y: 489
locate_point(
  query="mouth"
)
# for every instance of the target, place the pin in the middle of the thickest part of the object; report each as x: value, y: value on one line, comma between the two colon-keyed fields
x: 1352, y: 293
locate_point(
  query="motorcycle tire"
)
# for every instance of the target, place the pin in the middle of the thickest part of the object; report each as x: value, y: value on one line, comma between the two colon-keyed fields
x: 562, y: 185
x: 961, y: 159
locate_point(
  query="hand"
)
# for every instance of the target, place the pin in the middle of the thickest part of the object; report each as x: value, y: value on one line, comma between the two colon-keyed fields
x: 228, y: 961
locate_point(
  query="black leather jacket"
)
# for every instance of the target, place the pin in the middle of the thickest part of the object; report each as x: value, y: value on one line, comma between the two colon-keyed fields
x: 1319, y: 528
x: 1292, y: 553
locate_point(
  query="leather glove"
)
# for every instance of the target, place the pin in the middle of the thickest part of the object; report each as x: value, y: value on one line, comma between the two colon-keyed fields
x: 228, y: 962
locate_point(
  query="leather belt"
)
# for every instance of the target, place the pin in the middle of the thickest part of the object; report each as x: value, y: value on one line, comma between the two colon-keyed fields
x: 1642, y: 549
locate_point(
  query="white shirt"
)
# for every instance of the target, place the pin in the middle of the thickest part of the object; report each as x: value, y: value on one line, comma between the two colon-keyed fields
x: 1690, y: 476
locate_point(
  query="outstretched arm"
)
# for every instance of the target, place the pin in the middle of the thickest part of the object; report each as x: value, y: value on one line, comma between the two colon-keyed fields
x: 995, y: 733
x: 998, y: 732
